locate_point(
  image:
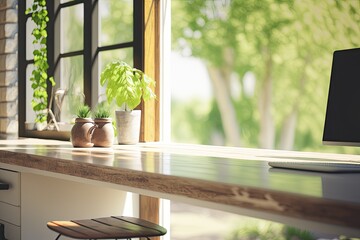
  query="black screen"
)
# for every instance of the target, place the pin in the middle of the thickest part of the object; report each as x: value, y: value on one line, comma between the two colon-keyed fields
x: 342, y: 120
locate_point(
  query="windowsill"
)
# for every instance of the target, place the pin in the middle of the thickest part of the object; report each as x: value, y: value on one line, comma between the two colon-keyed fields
x: 62, y: 134
x: 48, y: 134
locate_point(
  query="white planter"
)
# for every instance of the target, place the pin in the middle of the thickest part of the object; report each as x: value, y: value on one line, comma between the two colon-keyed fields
x: 41, y: 126
x: 35, y: 126
x: 30, y: 126
x: 128, y: 126
x: 65, y: 127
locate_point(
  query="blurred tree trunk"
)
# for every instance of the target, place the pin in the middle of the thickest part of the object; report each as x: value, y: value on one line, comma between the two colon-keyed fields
x: 287, y: 137
x: 267, y: 128
x: 221, y: 90
x: 288, y: 130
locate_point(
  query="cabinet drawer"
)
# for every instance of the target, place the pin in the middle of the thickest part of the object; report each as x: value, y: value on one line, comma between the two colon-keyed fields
x: 10, y: 213
x: 12, y: 232
x: 12, y: 195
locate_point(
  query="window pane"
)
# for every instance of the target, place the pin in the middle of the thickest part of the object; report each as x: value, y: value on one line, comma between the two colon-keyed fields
x: 258, y: 70
x: 71, y: 76
x: 72, y: 28
x: 30, y: 115
x: 29, y: 44
x: 65, y: 1
x: 29, y: 3
x: 124, y: 54
x: 253, y: 74
x: 116, y: 21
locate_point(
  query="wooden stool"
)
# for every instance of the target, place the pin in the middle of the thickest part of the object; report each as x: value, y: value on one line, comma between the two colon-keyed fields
x: 107, y: 228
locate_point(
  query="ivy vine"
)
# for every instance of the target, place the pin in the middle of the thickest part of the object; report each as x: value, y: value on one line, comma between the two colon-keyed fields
x: 39, y: 78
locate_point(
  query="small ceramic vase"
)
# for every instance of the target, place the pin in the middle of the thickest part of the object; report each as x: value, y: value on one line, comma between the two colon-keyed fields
x: 103, y: 135
x: 81, y: 132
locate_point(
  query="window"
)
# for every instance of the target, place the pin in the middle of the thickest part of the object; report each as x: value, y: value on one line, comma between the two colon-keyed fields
x: 256, y: 73
x: 83, y: 36
x: 252, y: 73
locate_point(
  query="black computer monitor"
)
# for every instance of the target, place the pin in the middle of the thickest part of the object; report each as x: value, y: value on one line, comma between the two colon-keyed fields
x: 342, y: 119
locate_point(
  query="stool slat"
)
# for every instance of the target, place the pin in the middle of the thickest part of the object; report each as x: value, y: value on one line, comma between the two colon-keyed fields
x: 115, y: 227
x: 68, y: 228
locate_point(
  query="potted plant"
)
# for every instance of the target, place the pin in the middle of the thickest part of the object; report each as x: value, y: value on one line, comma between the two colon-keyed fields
x: 103, y: 135
x: 82, y: 131
x: 127, y: 86
x: 40, y: 79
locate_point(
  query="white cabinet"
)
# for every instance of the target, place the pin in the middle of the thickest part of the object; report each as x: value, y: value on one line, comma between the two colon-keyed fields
x: 33, y: 199
x: 10, y: 204
x: 11, y: 231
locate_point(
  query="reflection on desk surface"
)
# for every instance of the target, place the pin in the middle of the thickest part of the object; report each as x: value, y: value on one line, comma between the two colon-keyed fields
x: 337, y: 186
x: 217, y: 165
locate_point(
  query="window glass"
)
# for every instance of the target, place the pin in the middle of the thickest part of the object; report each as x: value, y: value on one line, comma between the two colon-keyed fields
x: 72, y: 82
x: 115, y: 21
x: 30, y: 115
x: 72, y: 28
x: 123, y: 54
x: 253, y: 73
x: 29, y: 3
x: 256, y: 73
x: 29, y: 44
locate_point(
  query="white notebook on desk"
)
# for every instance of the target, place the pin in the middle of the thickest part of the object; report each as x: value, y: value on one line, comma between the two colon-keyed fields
x: 318, y: 166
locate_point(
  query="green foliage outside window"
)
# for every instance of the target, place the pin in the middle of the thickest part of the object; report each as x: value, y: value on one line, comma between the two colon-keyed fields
x: 287, y: 45
x: 115, y: 26
x: 270, y: 231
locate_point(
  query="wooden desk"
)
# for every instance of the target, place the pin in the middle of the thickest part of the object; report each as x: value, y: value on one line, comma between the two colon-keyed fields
x: 230, y: 179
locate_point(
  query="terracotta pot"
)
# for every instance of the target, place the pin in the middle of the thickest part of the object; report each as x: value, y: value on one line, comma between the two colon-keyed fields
x: 81, y: 132
x: 103, y: 135
x: 128, y: 126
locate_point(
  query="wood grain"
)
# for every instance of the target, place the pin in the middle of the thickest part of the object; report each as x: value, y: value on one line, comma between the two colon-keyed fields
x: 114, y: 227
x: 150, y: 109
x: 149, y: 206
x: 230, y: 179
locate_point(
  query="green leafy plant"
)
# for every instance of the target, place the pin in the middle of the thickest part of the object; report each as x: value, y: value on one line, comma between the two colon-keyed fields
x: 83, y: 111
x: 126, y: 85
x: 295, y: 233
x: 263, y: 230
x: 102, y: 111
x: 40, y: 78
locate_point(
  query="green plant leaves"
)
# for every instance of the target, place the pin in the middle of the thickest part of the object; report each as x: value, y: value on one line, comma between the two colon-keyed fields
x: 83, y: 111
x: 126, y: 85
x: 102, y: 110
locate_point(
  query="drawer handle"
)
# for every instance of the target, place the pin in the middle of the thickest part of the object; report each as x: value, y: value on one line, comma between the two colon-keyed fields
x: 4, y: 186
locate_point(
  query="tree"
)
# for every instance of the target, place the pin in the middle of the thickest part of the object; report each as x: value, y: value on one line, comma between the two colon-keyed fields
x: 287, y: 44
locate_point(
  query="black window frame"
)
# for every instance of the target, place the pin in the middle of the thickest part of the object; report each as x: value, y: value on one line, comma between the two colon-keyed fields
x: 90, y: 53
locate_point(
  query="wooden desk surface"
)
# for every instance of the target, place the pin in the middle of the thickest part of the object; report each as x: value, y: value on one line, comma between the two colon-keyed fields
x: 230, y: 179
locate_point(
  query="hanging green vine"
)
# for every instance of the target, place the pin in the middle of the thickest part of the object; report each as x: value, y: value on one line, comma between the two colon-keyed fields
x: 40, y: 78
